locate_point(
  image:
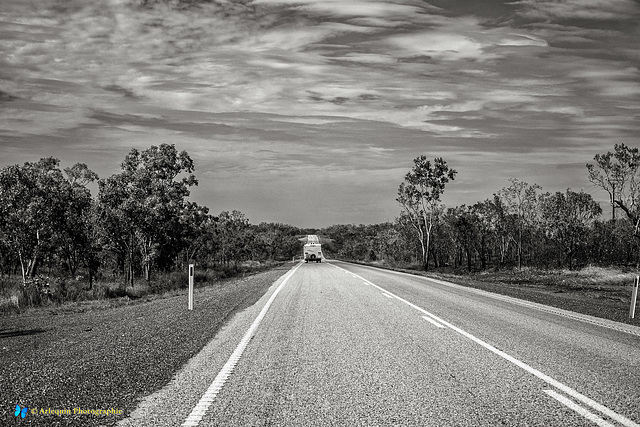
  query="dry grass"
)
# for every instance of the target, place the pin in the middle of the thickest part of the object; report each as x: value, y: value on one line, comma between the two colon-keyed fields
x: 70, y: 295
x: 603, y: 275
x: 597, y: 291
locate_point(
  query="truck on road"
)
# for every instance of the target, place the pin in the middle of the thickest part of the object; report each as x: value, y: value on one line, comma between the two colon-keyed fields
x: 312, y: 252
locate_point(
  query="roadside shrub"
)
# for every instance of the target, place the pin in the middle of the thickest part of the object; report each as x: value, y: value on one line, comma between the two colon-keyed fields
x: 36, y: 291
x: 43, y: 291
x: 10, y: 304
x: 227, y: 271
x: 135, y: 293
x: 114, y: 292
x: 198, y: 277
x: 168, y: 282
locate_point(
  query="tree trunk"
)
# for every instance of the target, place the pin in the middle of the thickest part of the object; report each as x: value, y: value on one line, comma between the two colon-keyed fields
x: 483, y: 255
x: 131, y: 265
x: 425, y: 252
x: 22, y: 266
x: 520, y: 249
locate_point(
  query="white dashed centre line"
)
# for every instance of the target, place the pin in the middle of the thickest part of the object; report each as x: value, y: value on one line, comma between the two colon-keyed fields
x: 544, y: 377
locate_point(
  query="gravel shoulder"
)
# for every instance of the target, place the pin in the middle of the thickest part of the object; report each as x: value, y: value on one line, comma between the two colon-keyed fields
x: 109, y: 359
x: 580, y: 295
x: 606, y: 302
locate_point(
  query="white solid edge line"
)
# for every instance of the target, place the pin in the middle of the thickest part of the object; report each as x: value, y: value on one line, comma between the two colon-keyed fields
x: 428, y: 319
x: 566, y: 389
x: 194, y: 418
x: 585, y: 318
x: 579, y: 409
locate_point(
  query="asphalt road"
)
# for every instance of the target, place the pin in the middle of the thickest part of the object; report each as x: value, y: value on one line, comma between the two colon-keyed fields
x: 335, y: 344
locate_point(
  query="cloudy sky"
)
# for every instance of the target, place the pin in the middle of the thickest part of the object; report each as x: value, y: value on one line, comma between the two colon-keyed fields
x: 311, y: 112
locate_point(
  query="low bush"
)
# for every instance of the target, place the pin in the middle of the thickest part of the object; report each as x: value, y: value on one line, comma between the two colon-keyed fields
x: 44, y: 291
x: 9, y: 305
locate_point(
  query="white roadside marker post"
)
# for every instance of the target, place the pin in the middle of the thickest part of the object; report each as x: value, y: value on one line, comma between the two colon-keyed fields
x: 634, y: 298
x: 191, y: 286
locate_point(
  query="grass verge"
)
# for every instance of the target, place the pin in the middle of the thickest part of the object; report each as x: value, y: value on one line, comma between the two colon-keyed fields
x: 596, y: 291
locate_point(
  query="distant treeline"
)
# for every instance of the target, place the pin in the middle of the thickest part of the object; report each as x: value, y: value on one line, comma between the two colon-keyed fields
x: 141, y: 222
x: 519, y: 226
x: 467, y: 238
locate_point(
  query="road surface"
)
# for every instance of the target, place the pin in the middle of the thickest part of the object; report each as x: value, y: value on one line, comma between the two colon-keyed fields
x: 336, y: 344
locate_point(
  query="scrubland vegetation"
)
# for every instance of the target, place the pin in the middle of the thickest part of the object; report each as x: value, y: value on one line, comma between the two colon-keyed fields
x: 59, y: 244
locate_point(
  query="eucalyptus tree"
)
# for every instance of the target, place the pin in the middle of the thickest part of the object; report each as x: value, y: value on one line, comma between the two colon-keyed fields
x: 617, y: 173
x: 387, y: 240
x: 33, y: 204
x: 419, y: 196
x: 276, y: 241
x: 197, y: 227
x: 483, y: 214
x: 142, y: 205
x: 567, y: 219
x: 234, y: 237
x: 77, y: 237
x: 520, y: 201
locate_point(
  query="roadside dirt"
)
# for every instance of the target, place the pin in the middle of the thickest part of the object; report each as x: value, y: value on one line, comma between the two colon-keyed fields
x: 607, y: 299
x: 109, y: 358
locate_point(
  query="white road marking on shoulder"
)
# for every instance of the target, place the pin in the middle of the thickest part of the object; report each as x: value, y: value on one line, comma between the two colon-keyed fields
x: 209, y: 396
x: 579, y: 409
x: 609, y: 324
x: 387, y: 295
x: 430, y: 320
x: 555, y: 383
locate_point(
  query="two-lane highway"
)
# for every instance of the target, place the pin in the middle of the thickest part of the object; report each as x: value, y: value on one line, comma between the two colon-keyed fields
x: 346, y: 345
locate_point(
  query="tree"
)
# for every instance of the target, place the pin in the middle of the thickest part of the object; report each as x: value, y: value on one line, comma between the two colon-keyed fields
x: 567, y: 218
x: 142, y: 206
x: 75, y: 237
x: 483, y: 214
x: 80, y: 175
x: 419, y: 196
x: 233, y: 237
x: 117, y: 228
x: 275, y: 241
x: 617, y: 174
x: 196, y: 225
x: 33, y: 205
x: 520, y: 201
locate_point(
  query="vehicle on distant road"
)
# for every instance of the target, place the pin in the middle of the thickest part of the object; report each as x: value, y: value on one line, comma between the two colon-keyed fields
x: 312, y: 252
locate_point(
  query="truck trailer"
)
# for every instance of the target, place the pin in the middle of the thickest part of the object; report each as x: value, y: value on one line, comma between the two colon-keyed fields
x: 312, y: 252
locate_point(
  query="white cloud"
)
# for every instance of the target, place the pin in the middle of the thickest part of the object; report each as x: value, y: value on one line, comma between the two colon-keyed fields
x: 521, y: 40
x: 578, y: 9
x: 440, y: 45
x: 566, y: 110
x: 371, y: 83
x: 366, y: 58
x: 373, y: 9
x: 294, y: 38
